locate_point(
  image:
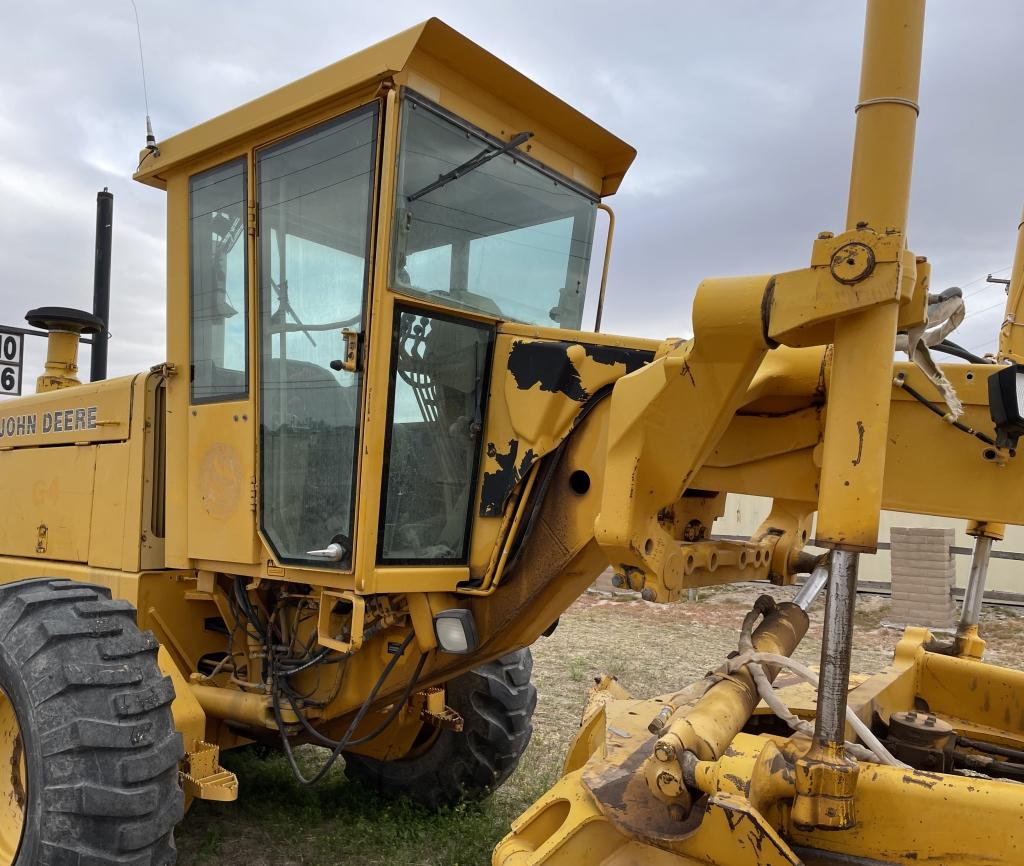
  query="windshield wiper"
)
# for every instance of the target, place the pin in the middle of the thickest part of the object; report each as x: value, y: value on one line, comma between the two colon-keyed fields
x: 482, y: 158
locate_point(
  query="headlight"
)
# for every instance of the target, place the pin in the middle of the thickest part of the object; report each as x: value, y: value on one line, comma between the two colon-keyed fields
x: 1006, y: 403
x: 455, y: 630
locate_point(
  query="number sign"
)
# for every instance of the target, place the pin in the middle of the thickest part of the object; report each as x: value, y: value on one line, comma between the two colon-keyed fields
x: 12, y: 349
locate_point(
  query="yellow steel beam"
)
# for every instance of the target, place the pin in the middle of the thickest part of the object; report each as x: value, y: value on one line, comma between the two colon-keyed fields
x: 856, y: 429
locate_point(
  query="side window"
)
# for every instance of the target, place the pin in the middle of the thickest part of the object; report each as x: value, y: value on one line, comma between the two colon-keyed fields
x: 432, y: 452
x: 218, y: 297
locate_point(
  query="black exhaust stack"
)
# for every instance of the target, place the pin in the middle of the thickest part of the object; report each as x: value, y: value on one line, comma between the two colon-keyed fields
x: 101, y: 282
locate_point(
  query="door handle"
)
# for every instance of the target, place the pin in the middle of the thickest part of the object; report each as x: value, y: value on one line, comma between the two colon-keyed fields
x: 350, y: 363
x: 334, y: 552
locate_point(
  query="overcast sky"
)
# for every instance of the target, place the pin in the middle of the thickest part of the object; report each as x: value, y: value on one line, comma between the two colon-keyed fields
x: 741, y: 112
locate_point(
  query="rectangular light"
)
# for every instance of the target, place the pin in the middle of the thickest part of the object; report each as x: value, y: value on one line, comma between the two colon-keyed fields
x: 1006, y: 403
x: 456, y: 631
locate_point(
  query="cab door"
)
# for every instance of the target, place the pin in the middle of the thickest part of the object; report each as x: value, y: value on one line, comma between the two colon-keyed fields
x: 220, y: 418
x: 314, y: 203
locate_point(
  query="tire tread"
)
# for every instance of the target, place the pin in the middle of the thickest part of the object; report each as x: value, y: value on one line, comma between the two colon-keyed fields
x: 99, y: 713
x: 497, y: 701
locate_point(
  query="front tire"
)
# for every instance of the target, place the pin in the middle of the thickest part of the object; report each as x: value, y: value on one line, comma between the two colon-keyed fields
x: 88, y: 715
x: 496, y: 702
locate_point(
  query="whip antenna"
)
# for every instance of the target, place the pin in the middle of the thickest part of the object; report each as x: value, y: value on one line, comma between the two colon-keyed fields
x: 150, y: 137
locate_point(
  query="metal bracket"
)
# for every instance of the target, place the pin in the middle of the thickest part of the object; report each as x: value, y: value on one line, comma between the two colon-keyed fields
x: 165, y: 370
x: 328, y: 599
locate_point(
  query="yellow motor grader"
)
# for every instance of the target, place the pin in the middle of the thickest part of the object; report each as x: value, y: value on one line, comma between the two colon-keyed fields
x: 384, y: 455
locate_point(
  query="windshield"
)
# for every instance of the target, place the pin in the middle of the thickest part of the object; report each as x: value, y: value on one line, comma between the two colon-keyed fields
x: 503, y: 238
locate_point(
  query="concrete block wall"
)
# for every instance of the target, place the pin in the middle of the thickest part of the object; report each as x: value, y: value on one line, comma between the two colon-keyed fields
x: 923, y: 576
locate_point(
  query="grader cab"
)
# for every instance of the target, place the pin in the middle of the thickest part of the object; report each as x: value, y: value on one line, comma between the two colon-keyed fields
x: 384, y: 455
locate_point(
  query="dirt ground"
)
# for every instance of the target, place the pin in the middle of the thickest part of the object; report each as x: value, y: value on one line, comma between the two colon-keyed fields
x: 651, y: 648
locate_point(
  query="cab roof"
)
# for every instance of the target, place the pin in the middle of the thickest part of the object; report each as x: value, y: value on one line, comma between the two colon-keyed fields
x: 381, y: 62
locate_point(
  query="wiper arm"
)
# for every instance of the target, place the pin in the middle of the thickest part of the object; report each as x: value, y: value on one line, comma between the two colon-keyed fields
x: 482, y: 158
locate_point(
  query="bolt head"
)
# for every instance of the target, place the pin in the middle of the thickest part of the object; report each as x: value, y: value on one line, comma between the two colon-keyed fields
x: 665, y: 752
x: 649, y: 594
x: 824, y: 236
x: 618, y: 581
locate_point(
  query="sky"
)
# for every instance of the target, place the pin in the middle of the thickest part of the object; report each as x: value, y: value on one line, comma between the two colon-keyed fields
x: 741, y: 110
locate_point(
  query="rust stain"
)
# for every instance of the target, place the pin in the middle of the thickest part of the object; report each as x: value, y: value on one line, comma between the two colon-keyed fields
x: 860, y: 443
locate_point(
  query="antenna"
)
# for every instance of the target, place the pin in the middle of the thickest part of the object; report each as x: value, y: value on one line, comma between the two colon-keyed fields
x: 150, y: 138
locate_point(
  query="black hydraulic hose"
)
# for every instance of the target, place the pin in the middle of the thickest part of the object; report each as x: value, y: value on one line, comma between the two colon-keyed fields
x: 900, y: 382
x: 948, y: 347
x: 347, y: 739
x: 242, y: 599
x: 989, y: 765
x: 991, y: 748
x: 554, y: 459
x: 331, y: 744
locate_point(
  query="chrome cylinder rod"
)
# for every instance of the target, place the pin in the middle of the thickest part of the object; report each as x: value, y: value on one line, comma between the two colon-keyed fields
x: 807, y: 593
x: 836, y: 647
x: 975, y: 594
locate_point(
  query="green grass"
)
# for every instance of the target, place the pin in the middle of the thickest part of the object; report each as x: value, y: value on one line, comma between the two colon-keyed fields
x: 277, y: 822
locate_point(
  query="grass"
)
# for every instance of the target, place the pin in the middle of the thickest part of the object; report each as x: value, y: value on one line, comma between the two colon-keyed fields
x: 651, y: 648
x: 277, y: 822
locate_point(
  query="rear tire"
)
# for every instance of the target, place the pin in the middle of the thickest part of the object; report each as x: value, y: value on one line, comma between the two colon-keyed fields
x: 496, y: 702
x: 93, y: 719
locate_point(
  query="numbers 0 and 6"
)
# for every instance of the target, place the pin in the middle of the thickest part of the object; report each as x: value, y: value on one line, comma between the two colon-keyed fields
x: 11, y: 346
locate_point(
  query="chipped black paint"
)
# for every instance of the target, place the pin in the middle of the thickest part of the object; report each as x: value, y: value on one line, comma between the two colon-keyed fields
x: 633, y: 359
x: 496, y: 486
x: 547, y: 364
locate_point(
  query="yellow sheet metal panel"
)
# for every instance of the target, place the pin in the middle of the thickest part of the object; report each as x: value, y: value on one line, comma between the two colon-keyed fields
x: 221, y: 479
x: 189, y: 718
x: 110, y: 498
x: 47, y: 496
x: 97, y: 412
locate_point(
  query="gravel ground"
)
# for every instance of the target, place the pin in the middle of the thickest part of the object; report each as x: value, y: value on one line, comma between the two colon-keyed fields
x: 651, y: 648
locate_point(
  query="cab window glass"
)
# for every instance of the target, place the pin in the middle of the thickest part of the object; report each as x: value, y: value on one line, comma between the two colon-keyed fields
x: 218, y: 297
x: 433, y: 446
x: 485, y: 231
x: 315, y: 196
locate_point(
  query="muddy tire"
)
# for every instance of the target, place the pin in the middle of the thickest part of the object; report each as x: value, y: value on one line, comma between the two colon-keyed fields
x: 496, y: 702
x: 86, y: 728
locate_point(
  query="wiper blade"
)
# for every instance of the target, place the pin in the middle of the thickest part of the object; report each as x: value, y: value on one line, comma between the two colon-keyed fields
x: 482, y: 158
